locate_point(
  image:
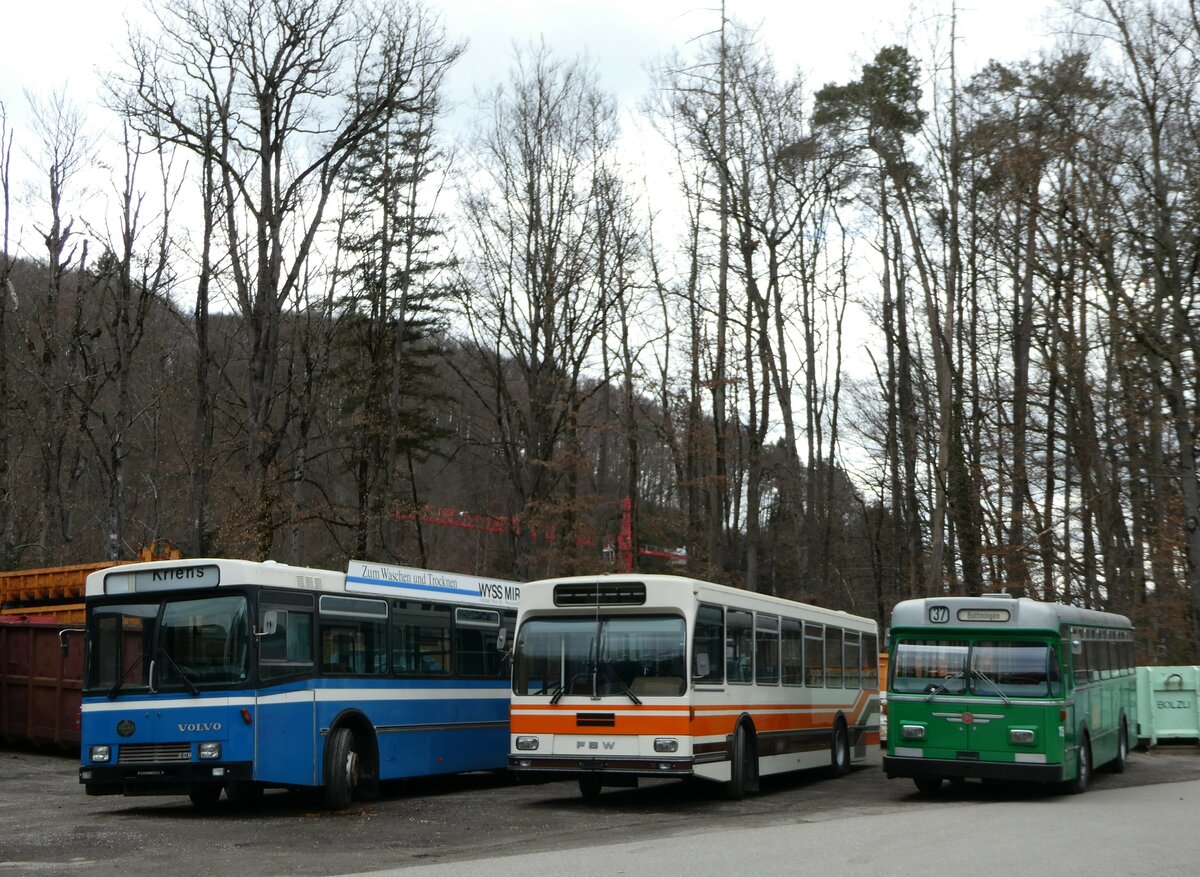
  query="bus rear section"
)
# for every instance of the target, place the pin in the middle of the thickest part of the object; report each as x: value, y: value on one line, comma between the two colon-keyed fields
x: 618, y: 679
x: 995, y: 688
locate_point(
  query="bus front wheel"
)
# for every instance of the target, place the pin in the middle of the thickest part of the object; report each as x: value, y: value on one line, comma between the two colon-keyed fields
x: 205, y: 797
x: 840, y: 751
x: 741, y: 769
x: 1117, y: 765
x: 342, y: 769
x: 1083, y: 774
x: 927, y: 785
x: 589, y: 787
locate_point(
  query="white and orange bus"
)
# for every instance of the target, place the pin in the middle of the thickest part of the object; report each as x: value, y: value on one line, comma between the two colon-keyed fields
x: 618, y: 677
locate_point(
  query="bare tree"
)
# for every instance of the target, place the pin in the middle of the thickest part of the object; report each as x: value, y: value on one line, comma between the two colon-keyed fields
x: 529, y: 292
x: 264, y: 91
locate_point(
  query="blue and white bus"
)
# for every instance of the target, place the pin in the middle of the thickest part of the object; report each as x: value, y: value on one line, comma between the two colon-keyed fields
x: 203, y: 675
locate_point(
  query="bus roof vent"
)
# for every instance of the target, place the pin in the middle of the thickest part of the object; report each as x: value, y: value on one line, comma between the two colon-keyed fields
x: 600, y: 594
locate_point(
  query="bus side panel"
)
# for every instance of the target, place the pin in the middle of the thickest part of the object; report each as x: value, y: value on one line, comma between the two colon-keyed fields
x: 285, y: 739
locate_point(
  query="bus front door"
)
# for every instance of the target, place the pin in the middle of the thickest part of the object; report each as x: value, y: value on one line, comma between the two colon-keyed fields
x: 285, y: 739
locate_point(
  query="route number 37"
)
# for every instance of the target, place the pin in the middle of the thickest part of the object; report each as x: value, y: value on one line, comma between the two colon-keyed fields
x: 939, y: 614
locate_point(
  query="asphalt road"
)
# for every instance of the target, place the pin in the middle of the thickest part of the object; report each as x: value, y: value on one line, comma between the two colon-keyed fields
x: 48, y: 826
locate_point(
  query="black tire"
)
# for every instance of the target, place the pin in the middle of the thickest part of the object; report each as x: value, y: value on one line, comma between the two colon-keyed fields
x: 839, y: 750
x: 589, y: 787
x: 244, y: 793
x: 1083, y: 774
x: 205, y: 797
x: 1117, y: 765
x: 343, y: 769
x: 928, y: 785
x: 739, y: 766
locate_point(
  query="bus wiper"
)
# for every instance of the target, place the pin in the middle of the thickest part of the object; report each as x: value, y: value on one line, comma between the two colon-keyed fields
x: 183, y: 677
x: 939, y: 689
x: 112, y: 692
x: 558, y: 693
x: 612, y: 674
x: 984, y: 677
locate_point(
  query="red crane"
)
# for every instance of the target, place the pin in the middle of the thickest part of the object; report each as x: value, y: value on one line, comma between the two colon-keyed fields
x: 442, y: 516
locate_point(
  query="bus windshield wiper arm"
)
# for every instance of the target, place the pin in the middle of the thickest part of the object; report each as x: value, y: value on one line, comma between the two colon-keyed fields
x: 558, y: 693
x: 183, y: 677
x: 612, y: 674
x: 995, y: 687
x: 112, y: 692
x: 942, y: 687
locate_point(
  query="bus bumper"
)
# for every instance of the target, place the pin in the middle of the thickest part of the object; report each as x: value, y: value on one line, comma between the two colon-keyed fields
x: 947, y: 768
x: 159, y: 779
x: 632, y: 767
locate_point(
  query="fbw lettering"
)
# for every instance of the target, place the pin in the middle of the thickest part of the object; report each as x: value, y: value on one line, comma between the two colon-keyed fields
x: 595, y: 744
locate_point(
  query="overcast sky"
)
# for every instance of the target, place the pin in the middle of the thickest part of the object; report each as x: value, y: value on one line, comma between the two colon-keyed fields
x: 69, y: 44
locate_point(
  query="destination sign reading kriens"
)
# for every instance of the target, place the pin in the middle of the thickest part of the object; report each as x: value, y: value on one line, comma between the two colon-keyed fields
x: 164, y: 579
x: 983, y: 615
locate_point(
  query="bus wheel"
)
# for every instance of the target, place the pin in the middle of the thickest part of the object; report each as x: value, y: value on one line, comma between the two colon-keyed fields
x: 1117, y: 765
x: 244, y: 793
x: 927, y: 785
x: 589, y: 787
x: 740, y: 768
x: 1084, y: 774
x: 342, y: 769
x: 204, y: 797
x: 840, y: 751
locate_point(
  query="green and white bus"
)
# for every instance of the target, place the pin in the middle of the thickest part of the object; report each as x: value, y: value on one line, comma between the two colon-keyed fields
x: 998, y: 687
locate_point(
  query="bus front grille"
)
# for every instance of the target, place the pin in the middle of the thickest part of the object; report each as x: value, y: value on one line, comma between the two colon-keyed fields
x: 153, y: 753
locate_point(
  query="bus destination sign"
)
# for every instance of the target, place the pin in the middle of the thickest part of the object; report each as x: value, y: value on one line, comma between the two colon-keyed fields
x: 983, y: 615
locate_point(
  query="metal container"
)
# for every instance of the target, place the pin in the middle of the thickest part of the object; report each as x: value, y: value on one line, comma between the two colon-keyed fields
x: 1168, y: 706
x: 40, y: 682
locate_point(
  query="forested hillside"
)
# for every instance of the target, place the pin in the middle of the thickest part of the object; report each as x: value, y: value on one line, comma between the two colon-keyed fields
x: 921, y: 331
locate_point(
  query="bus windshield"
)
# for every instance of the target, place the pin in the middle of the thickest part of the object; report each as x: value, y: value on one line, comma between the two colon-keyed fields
x: 601, y: 656
x: 998, y: 668
x: 1014, y: 669
x: 189, y: 643
x: 930, y: 666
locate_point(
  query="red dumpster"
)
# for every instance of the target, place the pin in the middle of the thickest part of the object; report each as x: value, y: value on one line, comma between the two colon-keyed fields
x: 40, y: 685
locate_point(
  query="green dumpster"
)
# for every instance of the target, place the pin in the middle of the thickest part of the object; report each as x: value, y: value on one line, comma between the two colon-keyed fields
x: 1168, y: 707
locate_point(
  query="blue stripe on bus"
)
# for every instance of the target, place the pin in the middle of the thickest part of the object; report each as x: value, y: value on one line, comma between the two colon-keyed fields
x: 410, y: 586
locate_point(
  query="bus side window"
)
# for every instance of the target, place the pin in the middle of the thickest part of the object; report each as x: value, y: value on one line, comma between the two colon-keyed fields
x: 708, y: 641
x: 814, y: 655
x: 739, y: 646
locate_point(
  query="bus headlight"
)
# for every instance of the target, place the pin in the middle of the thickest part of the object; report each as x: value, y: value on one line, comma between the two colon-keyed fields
x: 527, y: 744
x: 1022, y: 736
x: 100, y: 754
x: 666, y: 744
x: 210, y: 750
x: 912, y: 732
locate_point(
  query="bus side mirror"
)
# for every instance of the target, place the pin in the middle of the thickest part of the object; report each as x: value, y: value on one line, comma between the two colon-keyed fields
x: 64, y: 641
x: 1076, y: 647
x: 270, y: 622
x: 701, y: 664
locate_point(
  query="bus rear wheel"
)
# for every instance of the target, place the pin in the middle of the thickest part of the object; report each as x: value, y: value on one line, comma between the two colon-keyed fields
x: 342, y: 770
